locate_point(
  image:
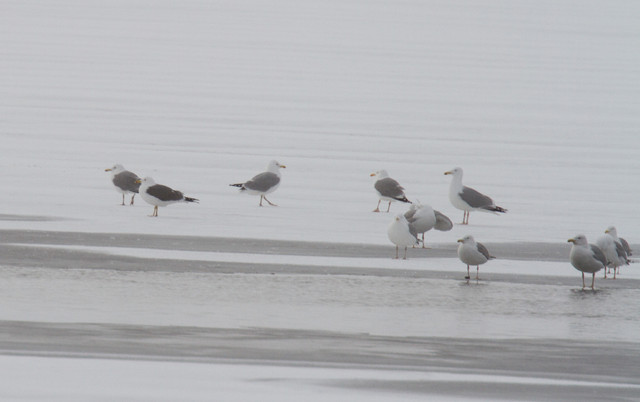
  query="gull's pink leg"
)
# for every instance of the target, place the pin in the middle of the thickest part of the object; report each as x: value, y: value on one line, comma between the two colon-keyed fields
x: 270, y: 203
x: 377, y: 207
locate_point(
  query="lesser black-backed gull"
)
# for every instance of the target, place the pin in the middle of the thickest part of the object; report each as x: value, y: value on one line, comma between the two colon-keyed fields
x: 160, y: 195
x: 468, y: 199
x: 388, y: 189
x: 263, y: 183
x: 124, y: 181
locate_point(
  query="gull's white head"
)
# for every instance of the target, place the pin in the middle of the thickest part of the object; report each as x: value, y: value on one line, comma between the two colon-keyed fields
x: 147, y: 181
x: 400, y: 218
x: 274, y: 167
x: 380, y: 174
x: 468, y: 239
x: 579, y: 240
x: 455, y: 172
x: 115, y: 169
x: 611, y: 230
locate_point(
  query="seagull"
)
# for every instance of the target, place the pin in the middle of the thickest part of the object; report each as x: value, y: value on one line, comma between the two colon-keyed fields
x: 159, y: 195
x: 468, y: 199
x: 473, y: 253
x: 263, y: 183
x: 586, y: 257
x: 613, y: 251
x: 124, y: 181
x: 423, y: 218
x: 401, y: 235
x: 388, y: 189
x: 611, y: 231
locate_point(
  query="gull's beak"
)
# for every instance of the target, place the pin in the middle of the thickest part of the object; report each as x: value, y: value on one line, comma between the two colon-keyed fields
x: 460, y: 240
x: 571, y: 241
x: 449, y: 172
x: 108, y: 170
x: 282, y: 166
x: 139, y: 181
x: 606, y: 231
x: 372, y: 174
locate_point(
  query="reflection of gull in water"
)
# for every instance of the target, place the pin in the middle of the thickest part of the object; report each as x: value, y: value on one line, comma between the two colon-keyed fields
x: 613, y: 251
x: 263, y: 183
x: 124, y: 181
x: 401, y: 235
x: 468, y: 199
x: 473, y: 253
x: 423, y: 218
x: 388, y: 189
x: 586, y: 257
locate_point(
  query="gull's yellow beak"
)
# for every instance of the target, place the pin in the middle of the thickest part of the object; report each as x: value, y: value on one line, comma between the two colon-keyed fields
x: 108, y: 170
x: 449, y: 172
x: 606, y: 231
x: 460, y: 240
x: 139, y: 181
x: 372, y: 174
x: 571, y: 241
x: 282, y: 166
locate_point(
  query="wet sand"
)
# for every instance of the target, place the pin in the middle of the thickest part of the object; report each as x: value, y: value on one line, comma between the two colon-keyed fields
x: 612, y: 368
x: 27, y: 248
x: 513, y: 251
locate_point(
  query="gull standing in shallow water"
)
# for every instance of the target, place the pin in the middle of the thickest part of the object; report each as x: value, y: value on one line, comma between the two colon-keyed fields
x: 423, y: 218
x: 468, y: 199
x: 124, y: 181
x: 613, y: 251
x: 473, y: 253
x: 263, y: 183
x: 401, y: 235
x: 388, y: 189
x: 586, y: 257
x: 159, y: 195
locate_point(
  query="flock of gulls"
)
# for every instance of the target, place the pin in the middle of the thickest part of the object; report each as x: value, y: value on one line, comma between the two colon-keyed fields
x: 159, y: 195
x: 609, y: 252
x: 404, y: 229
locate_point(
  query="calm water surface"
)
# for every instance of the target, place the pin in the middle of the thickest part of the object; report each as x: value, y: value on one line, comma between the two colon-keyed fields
x: 344, y: 303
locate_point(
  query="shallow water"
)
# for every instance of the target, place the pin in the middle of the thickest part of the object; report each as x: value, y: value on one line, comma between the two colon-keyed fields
x: 378, y: 305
